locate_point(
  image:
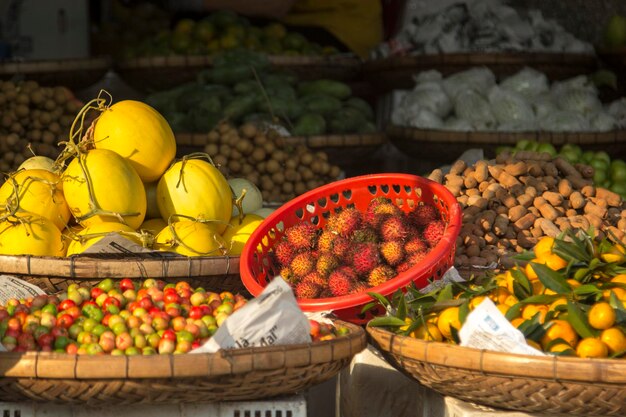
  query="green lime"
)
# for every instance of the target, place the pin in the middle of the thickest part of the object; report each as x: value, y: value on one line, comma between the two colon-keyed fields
x: 586, y: 157
x: 618, y: 170
x: 599, y: 177
x: 574, y: 149
x: 546, y: 147
x: 603, y: 155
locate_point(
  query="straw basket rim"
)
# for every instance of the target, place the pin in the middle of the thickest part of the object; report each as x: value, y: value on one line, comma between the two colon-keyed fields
x: 54, y: 65
x: 118, y: 266
x: 556, y: 385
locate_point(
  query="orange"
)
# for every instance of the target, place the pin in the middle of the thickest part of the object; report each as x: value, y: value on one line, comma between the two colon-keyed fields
x: 621, y: 278
x: 620, y: 293
x: 511, y: 300
x: 561, y: 347
x: 555, y: 262
x: 615, y: 339
x: 499, y: 295
x: 590, y: 347
x: 408, y: 322
x: 601, y: 316
x: 532, y: 343
x: 447, y: 319
x: 543, y: 248
x: 530, y: 272
x: 538, y: 287
x: 560, y: 301
x: 560, y: 329
x: 429, y: 332
x: 475, y: 302
x: 517, y: 321
x: 548, y: 291
x: 573, y: 283
x: 503, y: 308
x: 614, y: 255
x: 529, y: 311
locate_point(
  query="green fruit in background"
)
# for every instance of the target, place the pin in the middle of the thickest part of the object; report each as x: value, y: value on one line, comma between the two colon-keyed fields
x: 574, y: 149
x: 599, y: 165
x: 204, y: 31
x: 603, y: 156
x: 615, y: 32
x: 599, y: 177
x: 619, y: 188
x: 570, y: 156
x: 618, y: 171
x: 546, y: 147
x: 587, y: 156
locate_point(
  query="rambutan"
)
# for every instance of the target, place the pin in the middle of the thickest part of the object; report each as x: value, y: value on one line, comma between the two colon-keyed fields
x: 287, y: 274
x: 345, y: 222
x: 358, y: 287
x: 411, y: 260
x: 349, y: 271
x: 326, y: 263
x: 380, y: 275
x: 341, y: 247
x: 284, y: 252
x: 415, y: 244
x: 302, y: 264
x: 326, y: 240
x: 302, y: 235
x: 392, y: 252
x: 307, y: 289
x: 433, y: 232
x: 374, y: 215
x: 365, y: 257
x: 394, y: 228
x: 340, y: 283
x: 315, y: 278
x: 424, y: 214
x: 365, y: 234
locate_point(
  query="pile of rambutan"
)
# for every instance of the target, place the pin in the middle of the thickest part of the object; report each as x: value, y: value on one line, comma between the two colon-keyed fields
x: 355, y: 251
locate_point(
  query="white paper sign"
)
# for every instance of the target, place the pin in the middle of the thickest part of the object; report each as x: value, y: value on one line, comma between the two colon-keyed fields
x: 272, y: 318
x: 487, y: 328
x: 13, y: 287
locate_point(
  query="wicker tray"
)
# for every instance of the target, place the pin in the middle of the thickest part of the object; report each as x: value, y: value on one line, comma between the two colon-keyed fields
x: 396, y: 72
x: 548, y: 384
x: 444, y: 143
x: 163, y: 72
x: 55, y: 274
x: 75, y: 74
x: 229, y: 375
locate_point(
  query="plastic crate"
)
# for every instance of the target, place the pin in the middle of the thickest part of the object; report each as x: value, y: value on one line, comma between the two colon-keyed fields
x: 294, y: 406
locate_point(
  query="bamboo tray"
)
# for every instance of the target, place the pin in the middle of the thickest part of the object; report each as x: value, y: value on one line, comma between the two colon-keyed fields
x: 228, y: 375
x: 163, y: 72
x: 396, y: 72
x: 55, y: 274
x: 75, y: 74
x: 443, y: 143
x: 540, y: 384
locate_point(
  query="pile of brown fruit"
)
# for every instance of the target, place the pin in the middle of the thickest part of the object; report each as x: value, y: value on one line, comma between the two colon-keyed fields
x: 355, y: 251
x: 281, y: 171
x: 35, y: 115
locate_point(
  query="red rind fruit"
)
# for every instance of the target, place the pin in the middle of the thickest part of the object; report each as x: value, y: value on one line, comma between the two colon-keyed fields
x: 364, y: 235
x: 302, y: 235
x: 380, y: 275
x: 307, y: 289
x: 326, y: 263
x: 346, y: 222
x: 326, y: 241
x: 315, y: 278
x: 423, y: 215
x: 284, y: 252
x: 365, y: 257
x: 340, y: 283
x: 358, y: 287
x: 393, y: 228
x: 341, y: 247
x: 415, y: 244
x: 302, y: 264
x: 433, y: 232
x: 287, y: 274
x: 392, y: 252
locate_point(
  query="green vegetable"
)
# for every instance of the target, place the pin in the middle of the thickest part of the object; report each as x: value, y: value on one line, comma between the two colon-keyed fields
x: 309, y: 124
x: 362, y: 106
x: 346, y: 120
x: 239, y: 106
x: 322, y: 104
x: 332, y: 88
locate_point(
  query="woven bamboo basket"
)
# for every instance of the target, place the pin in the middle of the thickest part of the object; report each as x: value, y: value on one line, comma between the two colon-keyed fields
x: 396, y: 72
x: 163, y: 72
x: 75, y: 74
x: 546, y: 384
x: 55, y: 274
x: 228, y: 375
x: 443, y: 143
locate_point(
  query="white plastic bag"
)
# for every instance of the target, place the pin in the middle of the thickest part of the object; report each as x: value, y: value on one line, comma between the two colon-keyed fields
x: 272, y: 318
x: 579, y: 100
x: 479, y: 79
x: 564, y: 121
x: 473, y: 108
x: 510, y: 108
x: 425, y: 119
x: 527, y: 82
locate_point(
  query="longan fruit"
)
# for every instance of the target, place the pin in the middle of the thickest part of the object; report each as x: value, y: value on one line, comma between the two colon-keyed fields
x: 269, y: 148
x: 36, y: 97
x: 287, y: 187
x: 299, y: 188
x: 23, y: 99
x: 235, y: 154
x: 278, y: 177
x: 260, y: 140
x: 211, y: 149
x: 244, y: 146
x: 12, y: 139
x: 248, y: 130
x: 307, y: 174
x: 258, y: 154
x: 49, y: 105
x: 272, y: 166
x: 334, y: 172
x: 321, y: 156
x: 247, y: 169
x: 291, y: 164
x: 220, y: 160
x: 261, y: 167
x: 291, y: 175
x: 225, y: 150
x: 48, y: 137
x: 234, y: 166
x: 306, y: 159
x: 280, y: 155
x: 55, y: 128
x: 316, y: 166
x: 16, y: 128
x: 213, y: 137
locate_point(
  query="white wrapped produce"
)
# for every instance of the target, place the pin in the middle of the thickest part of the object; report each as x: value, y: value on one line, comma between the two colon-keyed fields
x: 564, y: 121
x: 479, y: 79
x: 425, y: 119
x: 602, y: 122
x: 617, y: 109
x: 543, y: 104
x: 528, y: 82
x: 475, y: 109
x: 580, y: 101
x: 511, y: 109
x: 458, y: 125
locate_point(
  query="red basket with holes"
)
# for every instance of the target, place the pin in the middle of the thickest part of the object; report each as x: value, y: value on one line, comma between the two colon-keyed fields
x: 257, y: 266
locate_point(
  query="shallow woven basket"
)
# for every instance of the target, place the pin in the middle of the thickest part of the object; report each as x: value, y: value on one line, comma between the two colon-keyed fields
x: 228, y: 375
x: 546, y: 384
x: 55, y: 274
x: 75, y: 74
x: 443, y: 143
x: 163, y: 72
x: 396, y: 72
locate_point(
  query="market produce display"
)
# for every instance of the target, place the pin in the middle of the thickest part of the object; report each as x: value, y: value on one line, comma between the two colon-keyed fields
x: 33, y: 115
x: 566, y: 300
x: 261, y: 156
x: 607, y: 173
x: 221, y: 31
x: 124, y: 317
x: 526, y: 101
x: 114, y: 176
x: 355, y: 251
x: 479, y: 26
x: 510, y: 203
x: 241, y: 87
x: 615, y: 32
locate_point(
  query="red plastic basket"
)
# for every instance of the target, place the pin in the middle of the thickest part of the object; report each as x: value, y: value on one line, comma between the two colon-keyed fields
x: 405, y: 191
